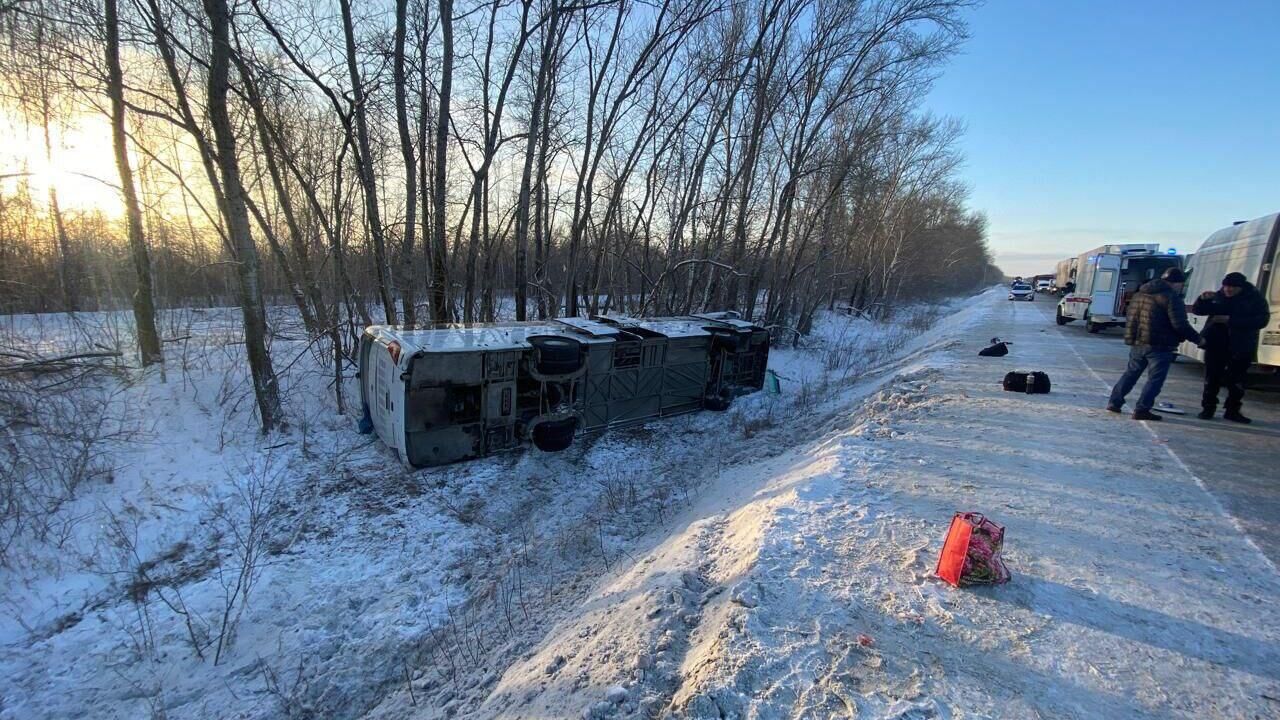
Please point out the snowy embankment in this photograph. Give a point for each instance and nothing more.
(800, 585)
(210, 572)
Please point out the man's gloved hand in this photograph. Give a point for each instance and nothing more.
(1207, 295)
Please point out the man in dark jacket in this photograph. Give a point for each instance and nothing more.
(1156, 324)
(1238, 312)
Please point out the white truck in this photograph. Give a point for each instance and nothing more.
(1251, 248)
(1106, 277)
(1064, 273)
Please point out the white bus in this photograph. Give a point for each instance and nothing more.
(1250, 248)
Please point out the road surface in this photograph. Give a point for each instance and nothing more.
(1238, 464)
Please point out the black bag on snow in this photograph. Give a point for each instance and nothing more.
(1030, 382)
(997, 348)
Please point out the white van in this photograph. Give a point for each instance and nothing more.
(1253, 249)
(1106, 277)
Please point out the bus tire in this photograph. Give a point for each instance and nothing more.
(1092, 327)
(556, 355)
(555, 435)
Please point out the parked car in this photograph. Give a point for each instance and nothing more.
(1022, 291)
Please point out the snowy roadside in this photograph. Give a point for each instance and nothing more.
(800, 585)
(374, 588)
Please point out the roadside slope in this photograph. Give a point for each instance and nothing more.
(800, 585)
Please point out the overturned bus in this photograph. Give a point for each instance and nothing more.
(448, 393)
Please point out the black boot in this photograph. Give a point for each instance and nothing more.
(1235, 416)
(1206, 414)
(1146, 415)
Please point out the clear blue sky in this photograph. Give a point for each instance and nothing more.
(1091, 122)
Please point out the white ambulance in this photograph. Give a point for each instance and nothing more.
(1106, 277)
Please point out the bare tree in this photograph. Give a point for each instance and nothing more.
(365, 167)
(265, 386)
(440, 309)
(144, 308)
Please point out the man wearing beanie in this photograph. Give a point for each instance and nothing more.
(1237, 313)
(1156, 324)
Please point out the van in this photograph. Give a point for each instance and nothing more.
(1251, 248)
(444, 394)
(1106, 277)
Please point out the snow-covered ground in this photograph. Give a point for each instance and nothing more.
(775, 562)
(366, 577)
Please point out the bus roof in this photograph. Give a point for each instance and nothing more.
(1246, 232)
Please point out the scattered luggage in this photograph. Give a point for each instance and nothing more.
(997, 348)
(1031, 382)
(971, 554)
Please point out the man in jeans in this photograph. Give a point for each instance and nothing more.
(1157, 323)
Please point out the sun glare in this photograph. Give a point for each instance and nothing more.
(82, 168)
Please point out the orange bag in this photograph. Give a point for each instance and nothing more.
(971, 553)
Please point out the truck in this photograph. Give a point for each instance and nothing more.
(1106, 277)
(1042, 283)
(1064, 272)
(1249, 247)
(448, 393)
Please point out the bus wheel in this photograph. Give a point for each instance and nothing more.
(556, 435)
(556, 355)
(1092, 326)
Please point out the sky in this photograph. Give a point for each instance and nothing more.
(1094, 122)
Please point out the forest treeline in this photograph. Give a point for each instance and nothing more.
(426, 161)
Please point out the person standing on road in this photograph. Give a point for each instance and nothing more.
(1156, 323)
(1237, 313)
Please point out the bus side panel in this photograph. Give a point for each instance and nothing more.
(1245, 255)
(1269, 339)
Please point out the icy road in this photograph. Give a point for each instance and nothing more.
(801, 586)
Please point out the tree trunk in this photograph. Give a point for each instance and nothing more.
(410, 171)
(549, 44)
(439, 273)
(265, 386)
(364, 162)
(144, 308)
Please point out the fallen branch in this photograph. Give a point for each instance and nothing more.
(59, 363)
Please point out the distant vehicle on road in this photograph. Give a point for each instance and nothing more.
(1064, 276)
(1044, 283)
(1021, 291)
(1106, 277)
(1253, 249)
